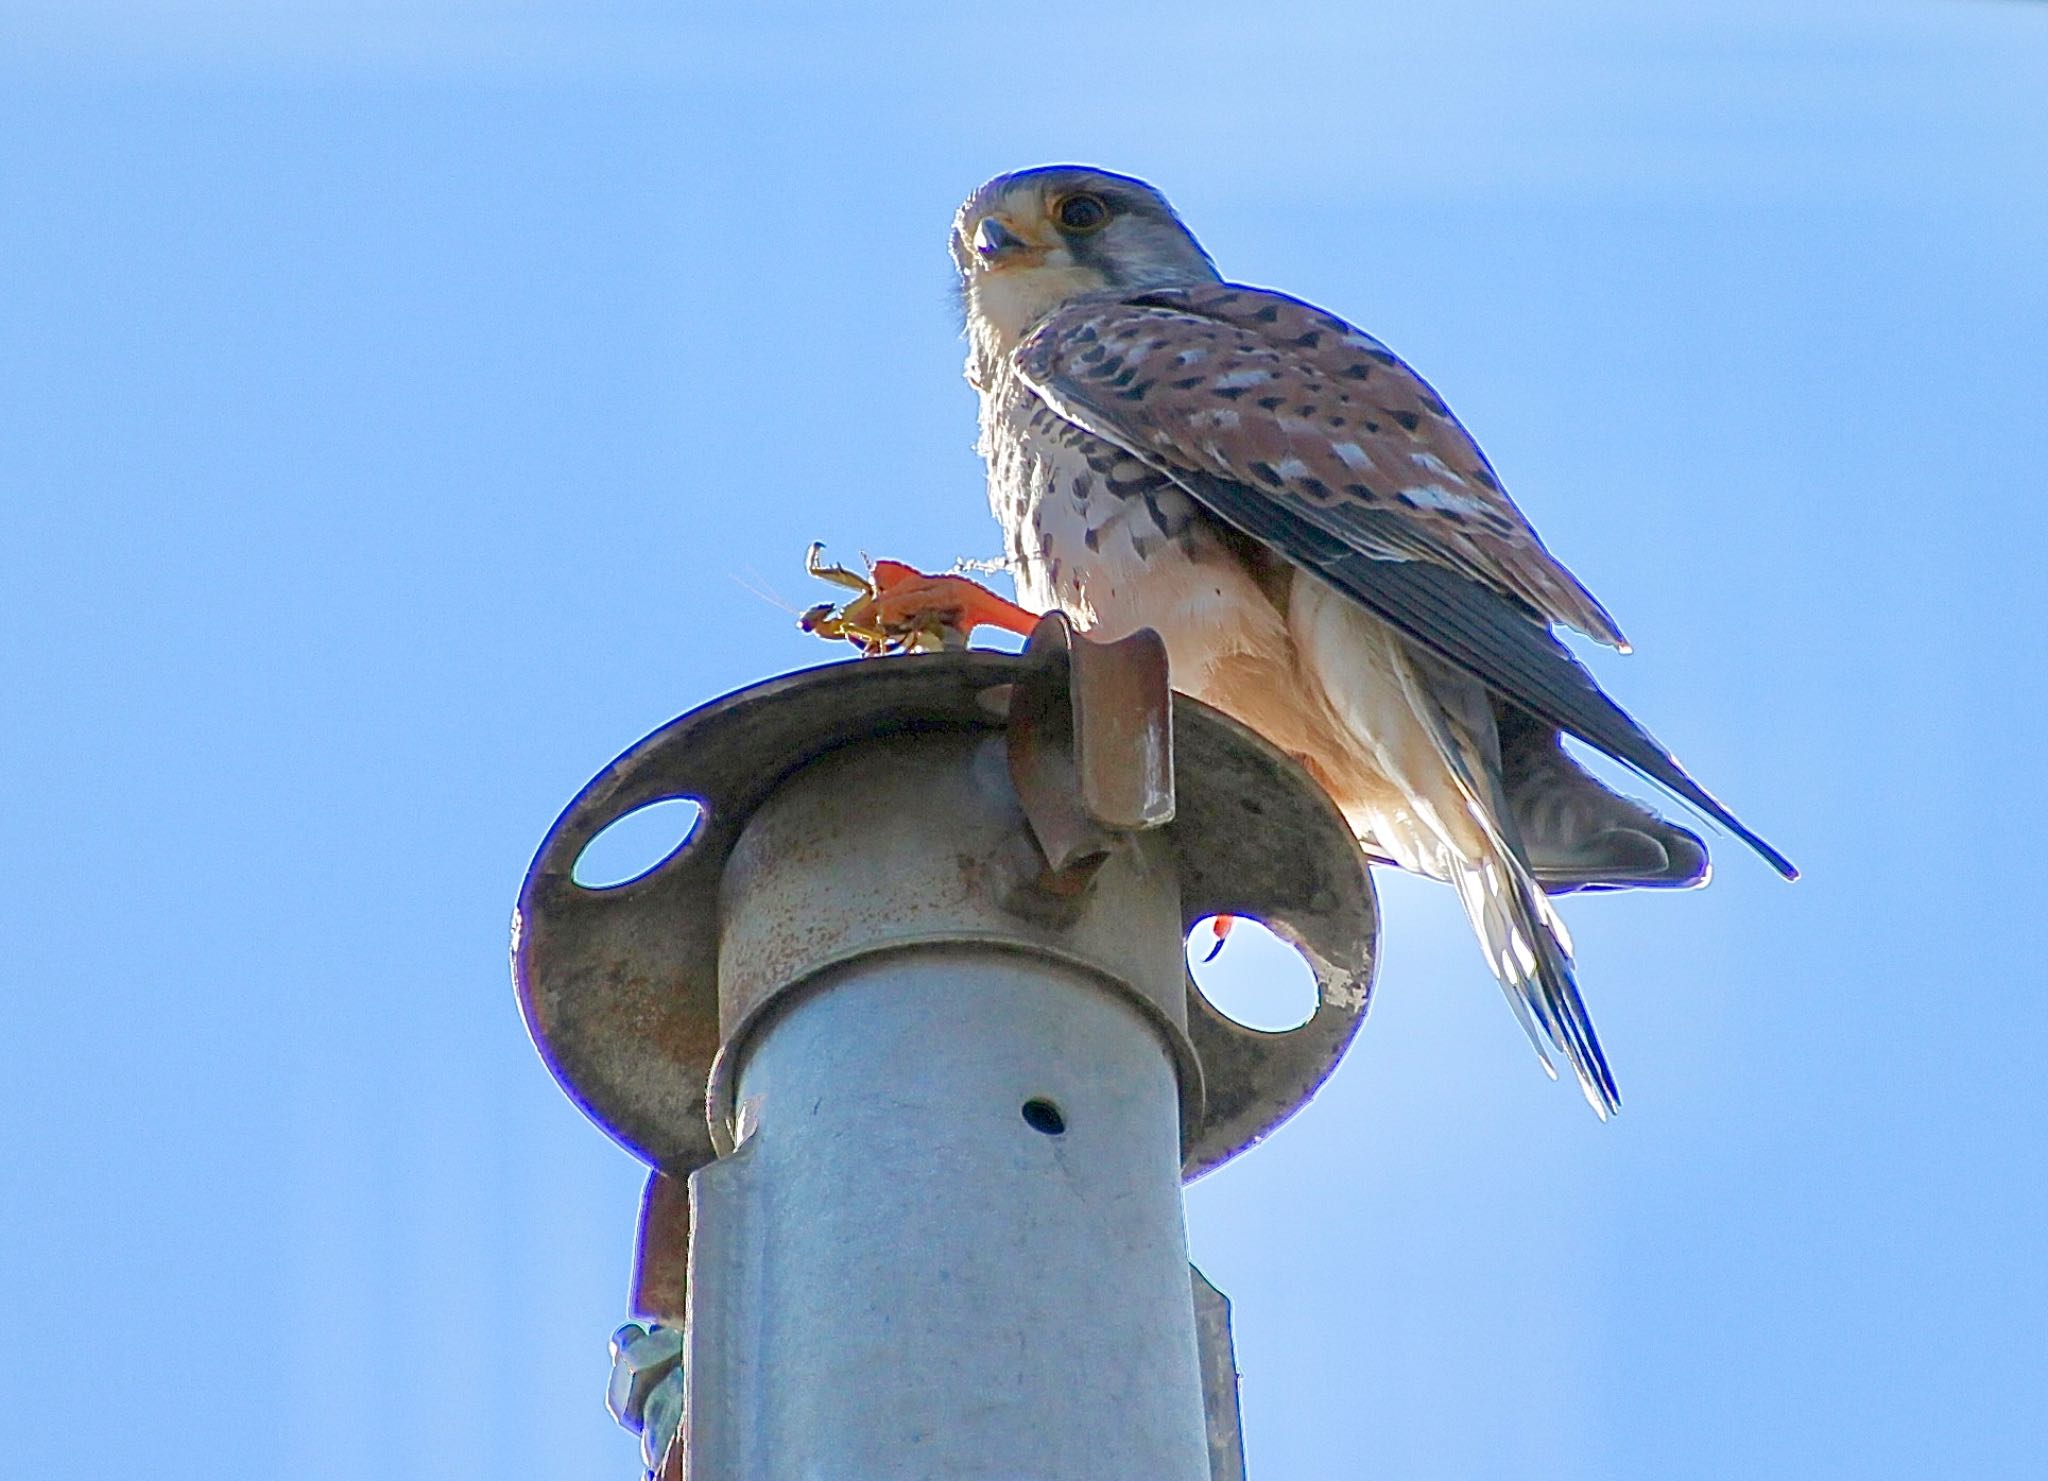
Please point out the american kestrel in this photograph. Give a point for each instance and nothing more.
(1327, 554)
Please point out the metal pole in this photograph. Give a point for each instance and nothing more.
(950, 1243)
(958, 1291)
(910, 1016)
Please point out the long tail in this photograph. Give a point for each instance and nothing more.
(1430, 733)
(1525, 940)
(1530, 953)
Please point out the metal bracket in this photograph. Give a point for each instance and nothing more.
(619, 986)
(645, 1394)
(1092, 740)
(1091, 745)
(661, 1254)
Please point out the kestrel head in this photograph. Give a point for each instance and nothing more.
(1028, 242)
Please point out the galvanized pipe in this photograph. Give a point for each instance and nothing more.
(961, 1182)
(908, 1017)
(958, 1103)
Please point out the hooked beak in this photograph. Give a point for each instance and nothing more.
(995, 243)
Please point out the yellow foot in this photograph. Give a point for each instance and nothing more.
(899, 608)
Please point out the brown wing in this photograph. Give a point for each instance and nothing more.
(1250, 384)
(1310, 436)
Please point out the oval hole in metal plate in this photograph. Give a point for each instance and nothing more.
(1258, 979)
(635, 844)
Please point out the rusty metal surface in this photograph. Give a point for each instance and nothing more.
(619, 986)
(1256, 838)
(1108, 706)
(1048, 785)
(912, 843)
(661, 1254)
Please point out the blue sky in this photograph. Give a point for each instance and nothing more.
(403, 404)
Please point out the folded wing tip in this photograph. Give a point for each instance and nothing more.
(1786, 869)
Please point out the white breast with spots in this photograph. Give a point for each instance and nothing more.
(1096, 533)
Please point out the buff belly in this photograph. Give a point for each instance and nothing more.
(1157, 561)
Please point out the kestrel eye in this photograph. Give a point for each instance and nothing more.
(1082, 213)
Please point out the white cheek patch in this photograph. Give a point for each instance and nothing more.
(1014, 299)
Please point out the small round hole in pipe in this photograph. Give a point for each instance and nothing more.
(1043, 1115)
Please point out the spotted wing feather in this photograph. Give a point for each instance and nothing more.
(1248, 383)
(1274, 423)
